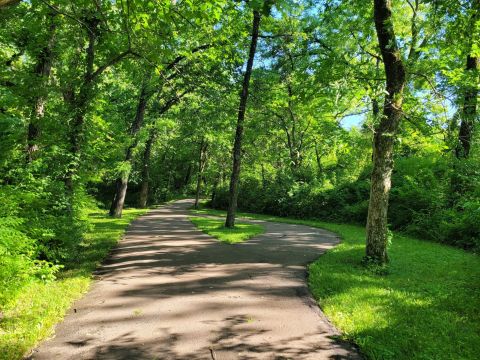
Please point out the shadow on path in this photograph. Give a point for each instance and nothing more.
(169, 291)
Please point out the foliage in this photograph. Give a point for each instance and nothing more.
(216, 228)
(31, 316)
(420, 201)
(19, 261)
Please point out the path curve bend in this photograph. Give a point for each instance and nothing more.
(169, 291)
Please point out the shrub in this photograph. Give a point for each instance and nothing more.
(423, 201)
(18, 251)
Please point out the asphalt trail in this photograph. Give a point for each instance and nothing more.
(169, 291)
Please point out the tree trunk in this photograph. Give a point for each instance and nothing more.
(202, 158)
(5, 3)
(42, 72)
(120, 193)
(385, 134)
(79, 104)
(122, 182)
(319, 161)
(214, 189)
(469, 110)
(142, 203)
(186, 180)
(237, 147)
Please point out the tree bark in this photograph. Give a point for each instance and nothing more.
(202, 159)
(144, 188)
(5, 3)
(186, 180)
(42, 73)
(385, 134)
(469, 109)
(237, 147)
(78, 102)
(318, 158)
(122, 182)
(214, 189)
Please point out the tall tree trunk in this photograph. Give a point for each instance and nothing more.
(469, 109)
(42, 72)
(186, 180)
(79, 104)
(122, 182)
(202, 159)
(5, 3)
(143, 200)
(214, 189)
(237, 147)
(385, 134)
(318, 157)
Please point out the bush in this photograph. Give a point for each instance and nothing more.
(18, 251)
(423, 201)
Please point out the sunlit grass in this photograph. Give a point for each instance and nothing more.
(216, 229)
(425, 307)
(40, 306)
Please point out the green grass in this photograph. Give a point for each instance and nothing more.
(40, 306)
(426, 307)
(216, 229)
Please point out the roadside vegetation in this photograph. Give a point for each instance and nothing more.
(31, 315)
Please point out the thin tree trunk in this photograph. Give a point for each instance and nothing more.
(237, 147)
(319, 160)
(42, 72)
(264, 180)
(122, 182)
(146, 169)
(385, 134)
(79, 104)
(186, 180)
(202, 158)
(214, 189)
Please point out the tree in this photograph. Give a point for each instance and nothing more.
(202, 160)
(385, 133)
(471, 89)
(122, 182)
(237, 146)
(42, 71)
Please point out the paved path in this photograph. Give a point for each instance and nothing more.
(171, 292)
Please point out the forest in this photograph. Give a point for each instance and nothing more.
(345, 113)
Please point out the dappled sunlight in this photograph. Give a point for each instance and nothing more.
(169, 291)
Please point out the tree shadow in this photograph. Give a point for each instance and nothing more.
(242, 301)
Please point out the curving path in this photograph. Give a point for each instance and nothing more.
(169, 291)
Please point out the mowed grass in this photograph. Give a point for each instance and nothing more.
(216, 229)
(40, 306)
(425, 307)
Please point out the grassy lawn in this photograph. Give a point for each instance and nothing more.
(425, 307)
(216, 229)
(41, 305)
